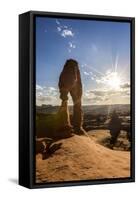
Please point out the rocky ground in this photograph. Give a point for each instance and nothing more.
(82, 158)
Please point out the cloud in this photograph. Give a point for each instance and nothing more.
(72, 45)
(46, 95)
(84, 65)
(65, 27)
(105, 96)
(104, 92)
(110, 93)
(89, 74)
(98, 92)
(57, 22)
(125, 86)
(86, 73)
(92, 78)
(64, 30)
(67, 33)
(59, 28)
(38, 88)
(111, 79)
(91, 98)
(97, 99)
(44, 99)
(52, 89)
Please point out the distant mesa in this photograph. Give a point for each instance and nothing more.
(96, 109)
(95, 117)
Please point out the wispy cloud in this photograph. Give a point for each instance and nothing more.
(46, 95)
(57, 22)
(106, 96)
(39, 88)
(83, 65)
(59, 29)
(89, 74)
(50, 95)
(125, 85)
(71, 46)
(64, 30)
(86, 73)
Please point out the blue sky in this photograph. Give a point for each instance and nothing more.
(102, 50)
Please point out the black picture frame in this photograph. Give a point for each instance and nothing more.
(27, 86)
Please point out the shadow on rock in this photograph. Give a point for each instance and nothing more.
(51, 150)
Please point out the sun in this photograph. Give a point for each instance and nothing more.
(113, 80)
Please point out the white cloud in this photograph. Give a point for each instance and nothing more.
(65, 27)
(57, 22)
(72, 45)
(92, 78)
(52, 88)
(106, 96)
(64, 30)
(86, 73)
(110, 79)
(109, 94)
(84, 65)
(46, 95)
(90, 75)
(38, 87)
(59, 28)
(67, 33)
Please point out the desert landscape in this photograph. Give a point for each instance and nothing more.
(83, 100)
(63, 157)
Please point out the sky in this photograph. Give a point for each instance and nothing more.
(102, 49)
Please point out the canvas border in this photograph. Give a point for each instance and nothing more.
(32, 101)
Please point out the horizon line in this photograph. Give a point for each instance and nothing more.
(89, 104)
